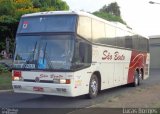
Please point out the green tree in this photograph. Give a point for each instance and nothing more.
(112, 8)
(10, 13)
(109, 17)
(12, 10)
(50, 5)
(6, 7)
(111, 13)
(37, 4)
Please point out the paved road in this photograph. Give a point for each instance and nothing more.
(10, 99)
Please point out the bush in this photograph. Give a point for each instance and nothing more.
(1, 57)
(3, 69)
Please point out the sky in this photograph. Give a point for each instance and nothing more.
(142, 17)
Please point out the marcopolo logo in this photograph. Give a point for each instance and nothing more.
(25, 24)
(37, 79)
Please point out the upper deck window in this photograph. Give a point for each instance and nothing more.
(53, 23)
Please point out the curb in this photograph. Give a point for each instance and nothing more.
(2, 91)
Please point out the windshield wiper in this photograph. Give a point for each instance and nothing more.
(34, 49)
(44, 52)
(50, 65)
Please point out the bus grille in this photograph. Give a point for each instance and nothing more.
(40, 81)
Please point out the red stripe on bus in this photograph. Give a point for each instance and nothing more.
(138, 60)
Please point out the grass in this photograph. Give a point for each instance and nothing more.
(5, 81)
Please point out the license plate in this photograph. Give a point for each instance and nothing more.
(40, 89)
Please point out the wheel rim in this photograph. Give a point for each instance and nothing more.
(94, 86)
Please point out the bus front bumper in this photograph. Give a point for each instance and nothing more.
(43, 88)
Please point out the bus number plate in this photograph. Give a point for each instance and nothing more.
(40, 89)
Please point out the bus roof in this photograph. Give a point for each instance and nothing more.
(82, 13)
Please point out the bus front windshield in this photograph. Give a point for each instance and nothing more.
(44, 52)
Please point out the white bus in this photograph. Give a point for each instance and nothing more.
(68, 53)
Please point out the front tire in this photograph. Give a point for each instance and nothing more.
(93, 87)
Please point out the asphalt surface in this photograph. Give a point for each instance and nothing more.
(18, 100)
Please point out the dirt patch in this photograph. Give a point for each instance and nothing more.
(140, 97)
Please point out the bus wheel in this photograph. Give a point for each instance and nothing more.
(136, 79)
(140, 77)
(93, 87)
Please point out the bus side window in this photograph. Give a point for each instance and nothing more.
(85, 52)
(128, 42)
(81, 52)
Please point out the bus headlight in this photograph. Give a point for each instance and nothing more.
(16, 78)
(62, 81)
